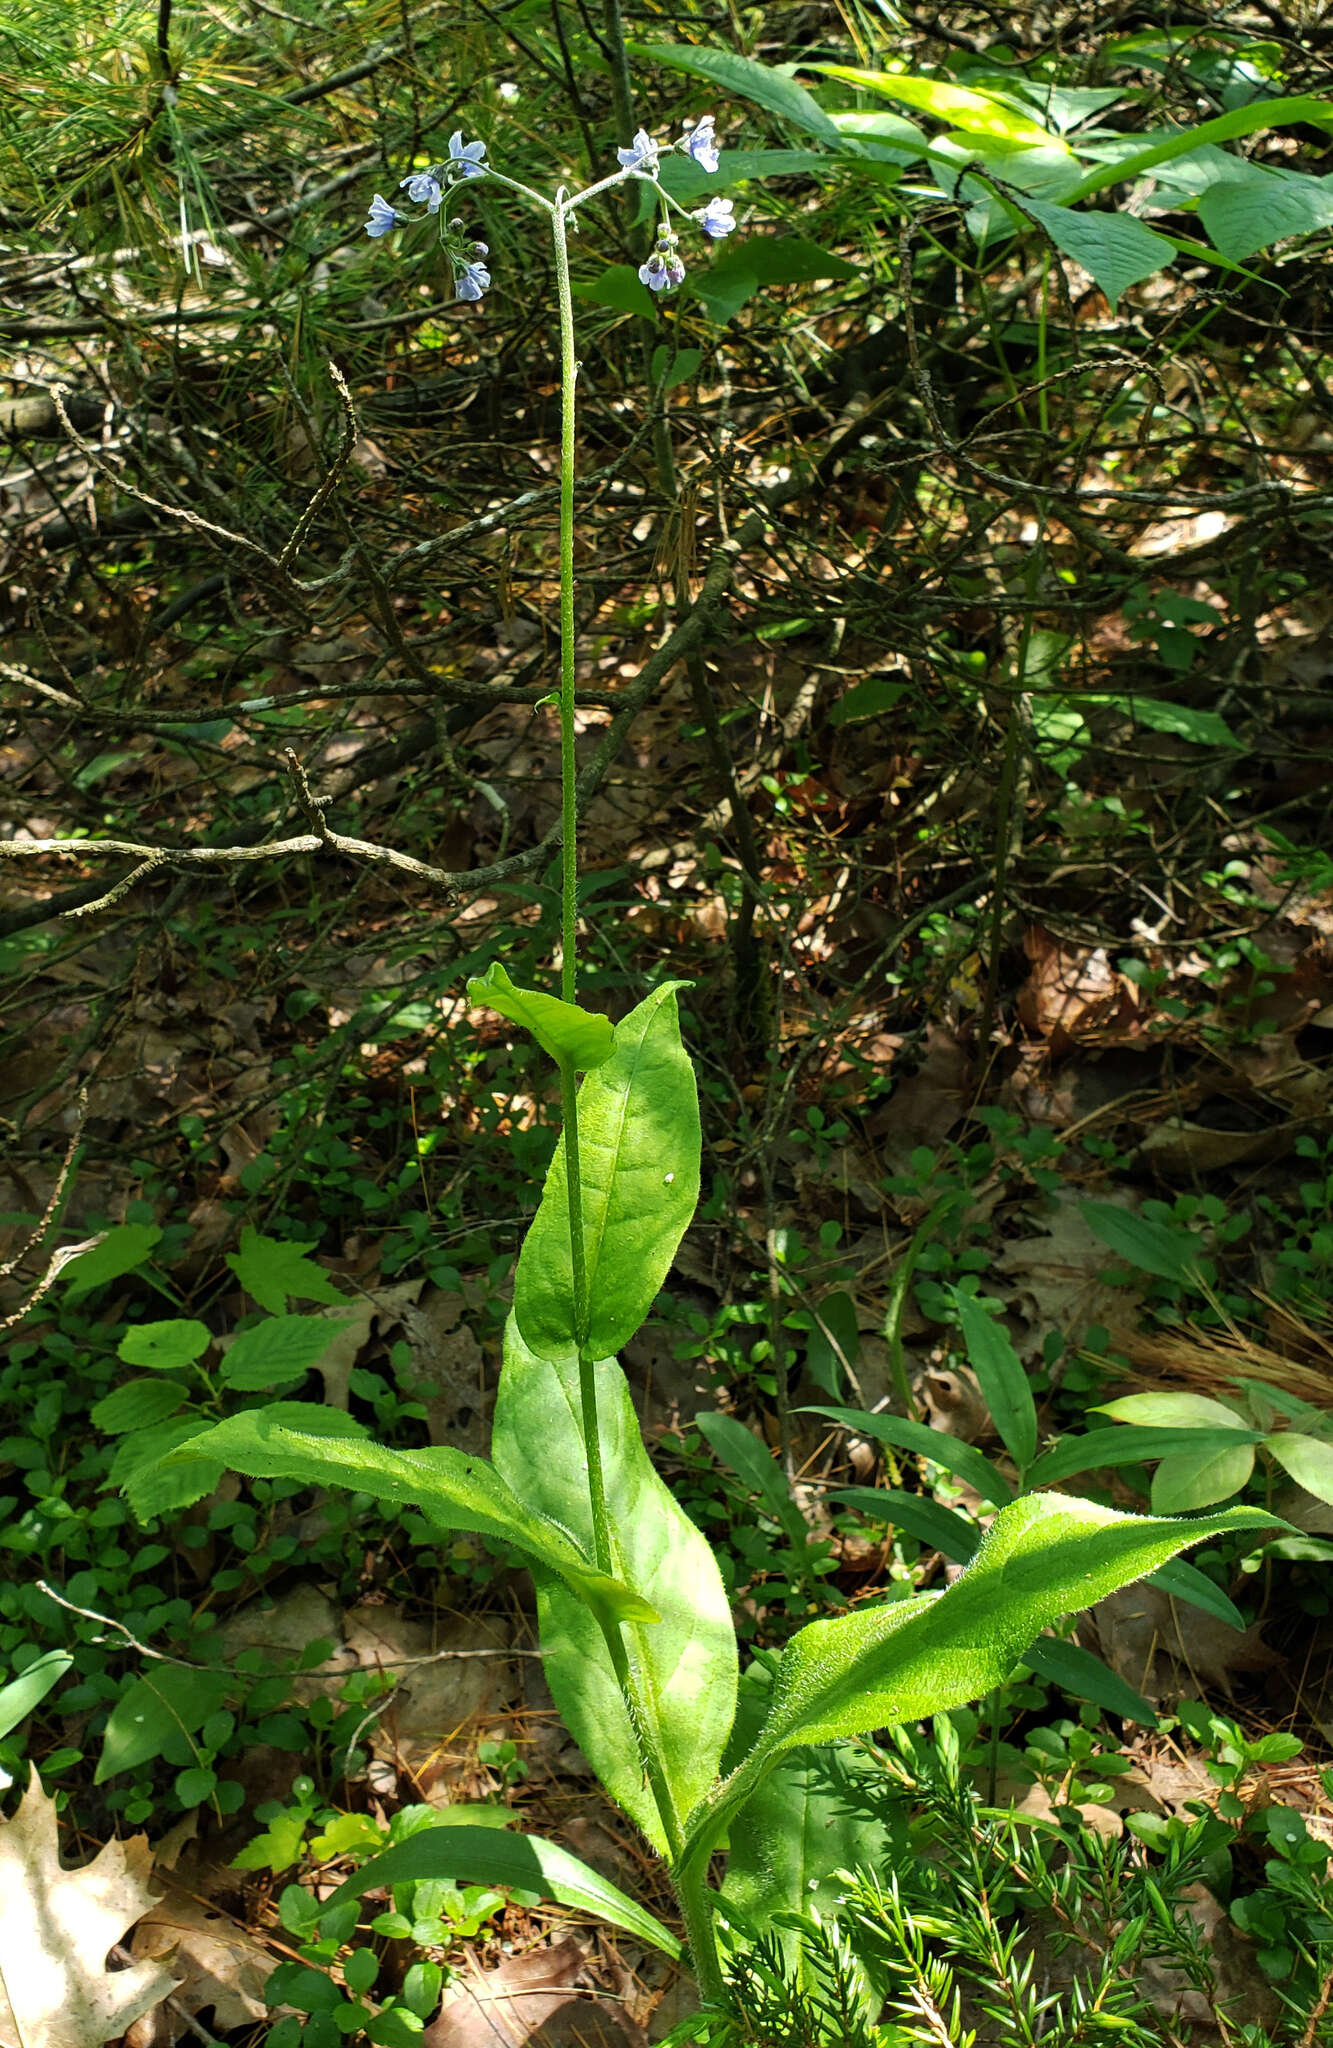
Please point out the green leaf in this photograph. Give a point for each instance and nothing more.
(748, 80)
(686, 1662)
(522, 1862)
(869, 698)
(568, 1035)
(939, 1528)
(299, 1440)
(151, 1485)
(270, 1269)
(122, 1250)
(29, 1689)
(741, 1451)
(961, 1459)
(639, 1148)
(277, 1351)
(169, 1700)
(164, 1347)
(1114, 248)
(1000, 1375)
(1043, 1557)
(1252, 208)
(1224, 128)
(621, 288)
(745, 267)
(1306, 1459)
(833, 1344)
(1172, 1411)
(1201, 728)
(137, 1405)
(1150, 1247)
(1182, 1581)
(978, 113)
(1076, 1671)
(678, 367)
(1192, 1480)
(1103, 1449)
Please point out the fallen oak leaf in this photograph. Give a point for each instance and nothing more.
(57, 1927)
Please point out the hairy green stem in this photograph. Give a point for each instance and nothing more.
(569, 818)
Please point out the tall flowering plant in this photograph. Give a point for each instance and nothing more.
(640, 1651)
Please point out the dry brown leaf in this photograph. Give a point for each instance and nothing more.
(221, 1967)
(57, 1928)
(529, 2002)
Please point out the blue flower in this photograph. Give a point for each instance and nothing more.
(662, 272)
(424, 188)
(641, 156)
(466, 157)
(382, 217)
(700, 143)
(471, 280)
(716, 218)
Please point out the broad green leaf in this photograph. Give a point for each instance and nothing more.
(277, 1351)
(621, 288)
(1192, 1480)
(522, 1862)
(748, 80)
(869, 698)
(677, 367)
(1103, 1449)
(891, 131)
(1255, 208)
(1172, 1411)
(170, 1699)
(570, 1036)
(690, 184)
(1201, 728)
(639, 1149)
(686, 1661)
(29, 1689)
(1000, 1375)
(965, 1462)
(300, 1440)
(270, 1269)
(1182, 1581)
(121, 1250)
(746, 266)
(151, 1484)
(741, 1451)
(1306, 1459)
(1076, 1671)
(1277, 113)
(137, 1405)
(1114, 248)
(939, 1528)
(1043, 1557)
(164, 1347)
(833, 1343)
(979, 113)
(1157, 1248)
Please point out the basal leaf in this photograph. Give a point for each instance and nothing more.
(569, 1035)
(295, 1440)
(526, 1863)
(686, 1662)
(639, 1149)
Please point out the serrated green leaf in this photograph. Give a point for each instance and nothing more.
(1043, 1557)
(152, 1485)
(568, 1035)
(29, 1689)
(639, 1148)
(749, 80)
(164, 1347)
(122, 1250)
(520, 1862)
(277, 1351)
(963, 1460)
(686, 1661)
(166, 1701)
(137, 1405)
(1306, 1459)
(297, 1440)
(1199, 1480)
(271, 1269)
(1000, 1375)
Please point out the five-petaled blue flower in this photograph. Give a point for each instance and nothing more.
(466, 157)
(700, 143)
(641, 155)
(716, 218)
(382, 217)
(471, 280)
(424, 187)
(662, 272)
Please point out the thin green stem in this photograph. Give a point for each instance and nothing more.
(569, 817)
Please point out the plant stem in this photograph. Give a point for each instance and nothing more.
(569, 819)
(696, 1907)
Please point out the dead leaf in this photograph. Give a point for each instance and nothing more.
(220, 1966)
(527, 2003)
(438, 1696)
(1165, 1647)
(57, 1928)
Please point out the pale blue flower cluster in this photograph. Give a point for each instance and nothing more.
(664, 269)
(427, 188)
